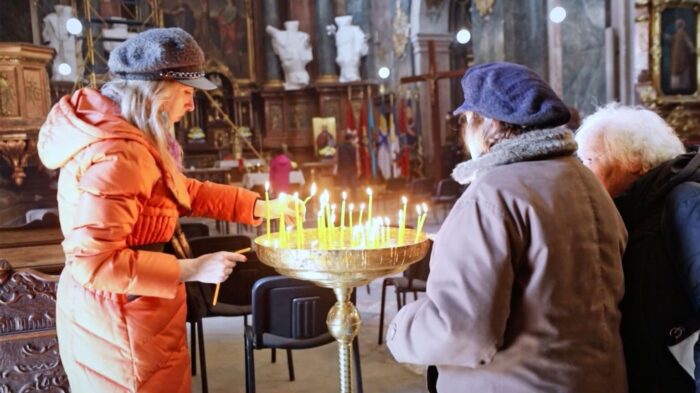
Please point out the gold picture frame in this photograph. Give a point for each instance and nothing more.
(675, 46)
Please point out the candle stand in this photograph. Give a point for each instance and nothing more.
(341, 268)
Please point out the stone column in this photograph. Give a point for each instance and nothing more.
(325, 44)
(273, 73)
(360, 11)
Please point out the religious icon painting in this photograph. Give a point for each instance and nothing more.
(674, 51)
(678, 51)
(324, 136)
(222, 28)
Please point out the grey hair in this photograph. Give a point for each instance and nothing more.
(631, 136)
(140, 104)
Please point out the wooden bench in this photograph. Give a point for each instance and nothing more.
(30, 360)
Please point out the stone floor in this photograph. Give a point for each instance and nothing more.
(316, 369)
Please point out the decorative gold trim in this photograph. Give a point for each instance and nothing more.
(327, 78)
(273, 84)
(485, 7)
(655, 51)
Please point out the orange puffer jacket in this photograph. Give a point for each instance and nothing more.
(114, 193)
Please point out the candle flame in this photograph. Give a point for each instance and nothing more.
(404, 200)
(387, 221)
(369, 191)
(351, 207)
(296, 195)
(362, 206)
(425, 207)
(325, 197)
(282, 196)
(345, 195)
(313, 189)
(333, 207)
(419, 210)
(267, 186)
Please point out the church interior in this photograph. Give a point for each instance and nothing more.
(341, 100)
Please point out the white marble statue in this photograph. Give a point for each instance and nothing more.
(293, 47)
(67, 46)
(119, 32)
(351, 43)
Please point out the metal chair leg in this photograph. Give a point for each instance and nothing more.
(415, 295)
(202, 358)
(290, 365)
(273, 356)
(249, 366)
(398, 299)
(381, 312)
(193, 347)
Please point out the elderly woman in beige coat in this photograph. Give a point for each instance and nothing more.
(526, 271)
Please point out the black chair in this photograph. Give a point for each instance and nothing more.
(290, 314)
(446, 194)
(414, 280)
(234, 294)
(195, 229)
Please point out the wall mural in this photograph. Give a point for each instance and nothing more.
(223, 28)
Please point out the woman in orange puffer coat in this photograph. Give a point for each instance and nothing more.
(121, 309)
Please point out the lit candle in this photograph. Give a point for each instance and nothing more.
(320, 231)
(351, 208)
(312, 193)
(282, 224)
(399, 220)
(342, 219)
(369, 205)
(402, 223)
(387, 224)
(267, 209)
(331, 219)
(362, 210)
(419, 211)
(325, 216)
(421, 222)
(297, 217)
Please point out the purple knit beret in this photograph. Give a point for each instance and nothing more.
(512, 93)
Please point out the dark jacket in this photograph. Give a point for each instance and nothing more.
(655, 300)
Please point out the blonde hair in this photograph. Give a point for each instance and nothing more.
(633, 137)
(140, 104)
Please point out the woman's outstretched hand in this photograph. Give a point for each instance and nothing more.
(277, 207)
(210, 268)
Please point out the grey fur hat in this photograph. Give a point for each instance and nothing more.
(160, 54)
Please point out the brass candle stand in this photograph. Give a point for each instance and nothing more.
(342, 269)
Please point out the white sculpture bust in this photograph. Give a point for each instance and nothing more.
(57, 36)
(351, 43)
(119, 31)
(293, 47)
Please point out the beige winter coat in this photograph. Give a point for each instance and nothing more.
(524, 287)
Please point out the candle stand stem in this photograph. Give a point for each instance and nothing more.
(344, 324)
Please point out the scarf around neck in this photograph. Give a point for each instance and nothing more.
(529, 146)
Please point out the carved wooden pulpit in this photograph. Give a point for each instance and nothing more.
(24, 102)
(28, 343)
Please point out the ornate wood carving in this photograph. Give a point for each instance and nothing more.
(485, 7)
(30, 360)
(24, 102)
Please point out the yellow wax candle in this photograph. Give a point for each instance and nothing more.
(311, 193)
(267, 209)
(387, 231)
(332, 217)
(320, 231)
(342, 219)
(297, 217)
(282, 224)
(422, 219)
(399, 220)
(325, 216)
(369, 205)
(351, 208)
(402, 223)
(362, 210)
(419, 211)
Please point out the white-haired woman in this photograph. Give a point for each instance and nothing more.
(641, 162)
(121, 300)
